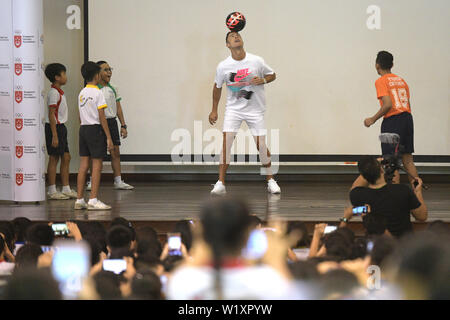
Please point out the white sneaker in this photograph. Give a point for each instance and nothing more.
(80, 205)
(88, 186)
(273, 187)
(71, 194)
(98, 206)
(57, 196)
(123, 186)
(219, 188)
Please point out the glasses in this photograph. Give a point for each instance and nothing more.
(108, 69)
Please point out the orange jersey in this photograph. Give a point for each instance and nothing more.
(396, 88)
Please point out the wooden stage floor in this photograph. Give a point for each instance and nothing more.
(171, 201)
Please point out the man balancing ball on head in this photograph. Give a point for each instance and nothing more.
(245, 76)
(393, 93)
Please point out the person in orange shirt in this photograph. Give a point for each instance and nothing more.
(393, 94)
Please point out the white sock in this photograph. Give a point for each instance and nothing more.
(117, 179)
(81, 200)
(52, 189)
(92, 201)
(66, 188)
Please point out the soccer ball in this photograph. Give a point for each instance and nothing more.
(235, 21)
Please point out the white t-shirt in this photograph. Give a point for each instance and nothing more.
(112, 97)
(254, 283)
(243, 97)
(90, 100)
(57, 99)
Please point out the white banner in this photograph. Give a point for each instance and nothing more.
(28, 141)
(6, 102)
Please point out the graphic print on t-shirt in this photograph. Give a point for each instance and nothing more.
(238, 80)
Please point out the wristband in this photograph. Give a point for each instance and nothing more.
(344, 220)
(124, 126)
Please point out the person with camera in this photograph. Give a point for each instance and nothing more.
(394, 202)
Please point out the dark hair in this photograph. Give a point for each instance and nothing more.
(101, 62)
(338, 281)
(40, 234)
(184, 228)
(119, 221)
(147, 261)
(304, 270)
(146, 285)
(255, 221)
(27, 256)
(385, 60)
(54, 69)
(7, 229)
(95, 231)
(228, 33)
(375, 224)
(383, 247)
(171, 262)
(107, 284)
(20, 227)
(2, 245)
(226, 225)
(424, 258)
(359, 249)
(32, 284)
(89, 70)
(119, 237)
(369, 167)
(338, 245)
(148, 242)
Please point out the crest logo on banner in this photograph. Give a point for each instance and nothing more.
(19, 124)
(18, 41)
(18, 95)
(18, 69)
(19, 179)
(19, 151)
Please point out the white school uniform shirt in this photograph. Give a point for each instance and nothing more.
(90, 100)
(57, 99)
(243, 97)
(112, 96)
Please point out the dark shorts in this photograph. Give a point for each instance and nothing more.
(92, 141)
(63, 146)
(403, 125)
(114, 131)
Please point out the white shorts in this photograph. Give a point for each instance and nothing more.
(233, 120)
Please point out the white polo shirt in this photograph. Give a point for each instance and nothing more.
(90, 100)
(57, 99)
(112, 96)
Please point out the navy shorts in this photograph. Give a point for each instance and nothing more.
(401, 124)
(114, 131)
(92, 141)
(63, 145)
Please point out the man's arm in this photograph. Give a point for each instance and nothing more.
(123, 131)
(387, 105)
(256, 81)
(216, 98)
(421, 213)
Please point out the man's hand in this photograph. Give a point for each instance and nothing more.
(109, 144)
(55, 142)
(74, 231)
(368, 122)
(319, 229)
(418, 188)
(123, 133)
(213, 117)
(256, 81)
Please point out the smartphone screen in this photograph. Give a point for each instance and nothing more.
(329, 229)
(60, 229)
(115, 265)
(357, 211)
(70, 266)
(256, 245)
(174, 243)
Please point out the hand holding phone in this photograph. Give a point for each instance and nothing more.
(357, 211)
(174, 244)
(329, 229)
(115, 265)
(60, 229)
